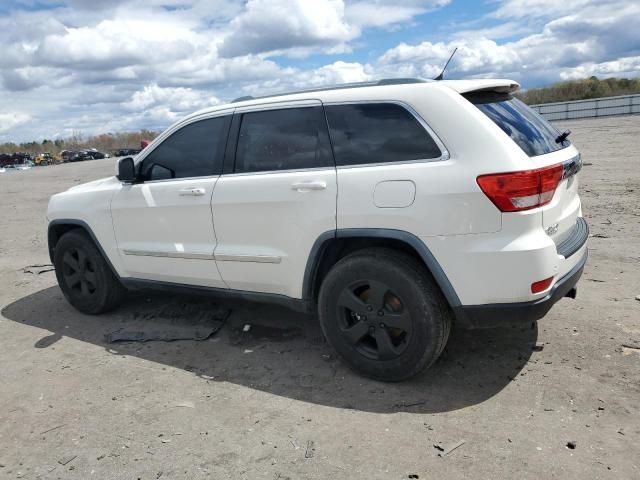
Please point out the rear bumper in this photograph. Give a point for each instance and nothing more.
(500, 314)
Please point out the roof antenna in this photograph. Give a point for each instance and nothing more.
(441, 76)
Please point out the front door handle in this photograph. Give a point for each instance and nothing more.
(306, 186)
(193, 192)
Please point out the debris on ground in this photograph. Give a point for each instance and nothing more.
(630, 349)
(186, 405)
(406, 405)
(447, 449)
(67, 459)
(52, 429)
(246, 328)
(310, 451)
(38, 269)
(571, 445)
(538, 347)
(638, 297)
(175, 320)
(160, 334)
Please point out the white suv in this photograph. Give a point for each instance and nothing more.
(392, 208)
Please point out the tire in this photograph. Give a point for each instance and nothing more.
(85, 278)
(384, 314)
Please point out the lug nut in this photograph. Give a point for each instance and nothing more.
(382, 325)
(369, 308)
(380, 313)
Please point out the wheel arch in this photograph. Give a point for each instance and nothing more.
(334, 245)
(57, 228)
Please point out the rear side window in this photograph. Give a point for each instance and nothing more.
(196, 150)
(532, 133)
(286, 139)
(377, 133)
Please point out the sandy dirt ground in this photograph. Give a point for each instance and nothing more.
(275, 403)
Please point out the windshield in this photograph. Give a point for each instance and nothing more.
(532, 133)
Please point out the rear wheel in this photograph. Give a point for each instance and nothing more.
(383, 314)
(84, 276)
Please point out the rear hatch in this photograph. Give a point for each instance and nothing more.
(545, 146)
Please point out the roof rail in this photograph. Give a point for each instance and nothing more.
(374, 83)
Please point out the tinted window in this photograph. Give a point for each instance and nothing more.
(283, 140)
(195, 150)
(377, 133)
(532, 133)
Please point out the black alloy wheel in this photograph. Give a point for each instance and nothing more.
(79, 272)
(85, 278)
(383, 313)
(374, 320)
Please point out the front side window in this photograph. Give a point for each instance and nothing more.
(196, 150)
(532, 133)
(287, 139)
(377, 133)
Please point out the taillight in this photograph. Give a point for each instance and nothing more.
(518, 191)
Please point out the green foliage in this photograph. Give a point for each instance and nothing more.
(77, 141)
(583, 89)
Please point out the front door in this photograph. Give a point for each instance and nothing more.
(277, 199)
(163, 223)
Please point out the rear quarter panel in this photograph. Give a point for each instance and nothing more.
(448, 200)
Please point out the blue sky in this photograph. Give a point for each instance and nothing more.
(95, 66)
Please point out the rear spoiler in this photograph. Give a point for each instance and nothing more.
(489, 85)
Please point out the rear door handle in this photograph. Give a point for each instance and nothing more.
(306, 186)
(193, 192)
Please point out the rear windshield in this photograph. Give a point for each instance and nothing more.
(532, 133)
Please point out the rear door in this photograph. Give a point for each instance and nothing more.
(163, 222)
(277, 197)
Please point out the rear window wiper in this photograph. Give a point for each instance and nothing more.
(563, 136)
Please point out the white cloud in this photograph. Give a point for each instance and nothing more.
(12, 120)
(116, 43)
(127, 64)
(384, 13)
(177, 100)
(538, 8)
(623, 67)
(271, 25)
(427, 59)
(592, 34)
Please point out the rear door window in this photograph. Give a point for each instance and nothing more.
(369, 133)
(532, 133)
(287, 139)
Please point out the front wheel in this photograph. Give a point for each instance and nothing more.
(383, 314)
(84, 276)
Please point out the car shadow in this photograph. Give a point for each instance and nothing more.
(283, 352)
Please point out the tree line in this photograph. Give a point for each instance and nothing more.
(580, 90)
(105, 142)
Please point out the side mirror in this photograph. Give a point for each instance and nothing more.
(126, 170)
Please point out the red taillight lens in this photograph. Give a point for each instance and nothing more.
(518, 191)
(541, 286)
